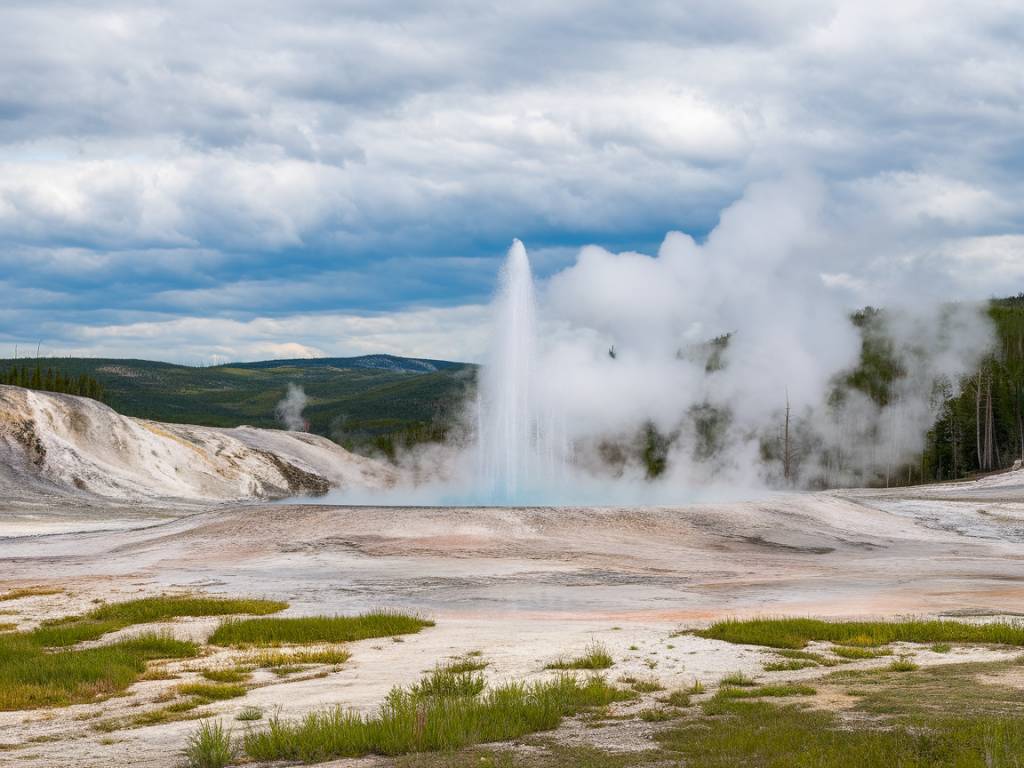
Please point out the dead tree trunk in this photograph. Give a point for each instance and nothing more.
(787, 466)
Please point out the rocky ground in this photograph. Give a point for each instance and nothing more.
(523, 586)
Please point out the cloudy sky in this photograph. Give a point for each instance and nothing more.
(198, 181)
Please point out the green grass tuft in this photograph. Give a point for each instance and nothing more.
(942, 648)
(249, 714)
(444, 682)
(209, 746)
(770, 691)
(903, 664)
(293, 659)
(212, 691)
(678, 699)
(796, 633)
(738, 679)
(788, 665)
(315, 629)
(226, 675)
(596, 657)
(854, 653)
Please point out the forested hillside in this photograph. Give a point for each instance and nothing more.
(983, 428)
(366, 403)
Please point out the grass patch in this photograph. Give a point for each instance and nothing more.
(467, 664)
(31, 677)
(942, 648)
(855, 653)
(759, 733)
(408, 721)
(249, 714)
(446, 682)
(209, 746)
(316, 629)
(17, 594)
(765, 691)
(284, 659)
(596, 657)
(678, 699)
(111, 617)
(655, 715)
(646, 686)
(226, 675)
(212, 691)
(788, 665)
(738, 679)
(903, 665)
(796, 633)
(697, 688)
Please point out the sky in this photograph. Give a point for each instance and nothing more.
(202, 182)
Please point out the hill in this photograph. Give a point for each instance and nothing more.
(76, 445)
(360, 402)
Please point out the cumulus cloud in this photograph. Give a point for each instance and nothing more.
(175, 158)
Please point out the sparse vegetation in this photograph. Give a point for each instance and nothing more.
(281, 659)
(942, 648)
(226, 675)
(655, 715)
(316, 629)
(678, 699)
(646, 686)
(410, 721)
(110, 617)
(855, 653)
(212, 691)
(209, 746)
(796, 633)
(737, 679)
(17, 594)
(903, 664)
(788, 665)
(595, 657)
(770, 691)
(249, 714)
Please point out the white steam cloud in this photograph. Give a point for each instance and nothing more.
(695, 353)
(289, 409)
(757, 280)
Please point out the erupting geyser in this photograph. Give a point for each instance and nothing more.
(520, 449)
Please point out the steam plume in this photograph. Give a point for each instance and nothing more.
(289, 409)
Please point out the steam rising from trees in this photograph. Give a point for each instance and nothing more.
(289, 409)
(711, 339)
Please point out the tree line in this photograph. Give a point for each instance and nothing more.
(50, 380)
(982, 429)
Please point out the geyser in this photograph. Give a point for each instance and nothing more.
(522, 449)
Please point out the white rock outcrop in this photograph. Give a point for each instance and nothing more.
(74, 444)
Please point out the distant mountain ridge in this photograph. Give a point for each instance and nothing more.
(373, 362)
